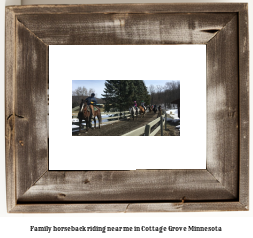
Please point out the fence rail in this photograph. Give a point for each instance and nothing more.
(136, 132)
(145, 130)
(124, 114)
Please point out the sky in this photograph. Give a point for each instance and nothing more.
(99, 85)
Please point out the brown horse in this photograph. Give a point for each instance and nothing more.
(142, 111)
(159, 111)
(155, 109)
(150, 108)
(84, 114)
(98, 115)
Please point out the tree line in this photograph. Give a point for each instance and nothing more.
(121, 94)
(82, 91)
(165, 94)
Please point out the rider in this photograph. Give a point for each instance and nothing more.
(91, 101)
(155, 108)
(143, 105)
(135, 105)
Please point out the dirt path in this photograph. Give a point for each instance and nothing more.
(119, 128)
(170, 130)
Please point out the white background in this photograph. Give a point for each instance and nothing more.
(235, 224)
(186, 63)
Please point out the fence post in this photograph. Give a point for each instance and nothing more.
(161, 124)
(165, 121)
(147, 130)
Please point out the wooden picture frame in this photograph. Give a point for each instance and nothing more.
(222, 186)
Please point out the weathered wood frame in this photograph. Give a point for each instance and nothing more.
(222, 186)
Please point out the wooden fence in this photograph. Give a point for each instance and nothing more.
(125, 114)
(146, 130)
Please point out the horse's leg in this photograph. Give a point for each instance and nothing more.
(90, 123)
(94, 122)
(99, 120)
(87, 123)
(80, 122)
(80, 125)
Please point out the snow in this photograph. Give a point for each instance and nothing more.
(174, 114)
(75, 120)
(106, 115)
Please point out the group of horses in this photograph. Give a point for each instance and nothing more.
(141, 111)
(85, 114)
(152, 108)
(155, 109)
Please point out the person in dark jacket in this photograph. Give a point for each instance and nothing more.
(91, 101)
(155, 108)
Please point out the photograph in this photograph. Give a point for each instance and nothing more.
(104, 92)
(133, 107)
(127, 70)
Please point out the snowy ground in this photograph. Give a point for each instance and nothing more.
(173, 113)
(76, 120)
(174, 116)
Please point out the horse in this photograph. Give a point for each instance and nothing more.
(155, 109)
(85, 114)
(142, 111)
(150, 108)
(98, 115)
(133, 111)
(159, 112)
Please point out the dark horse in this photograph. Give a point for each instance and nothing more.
(159, 111)
(85, 114)
(155, 109)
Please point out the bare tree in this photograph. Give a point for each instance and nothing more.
(165, 94)
(159, 92)
(91, 90)
(172, 92)
(152, 92)
(80, 91)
